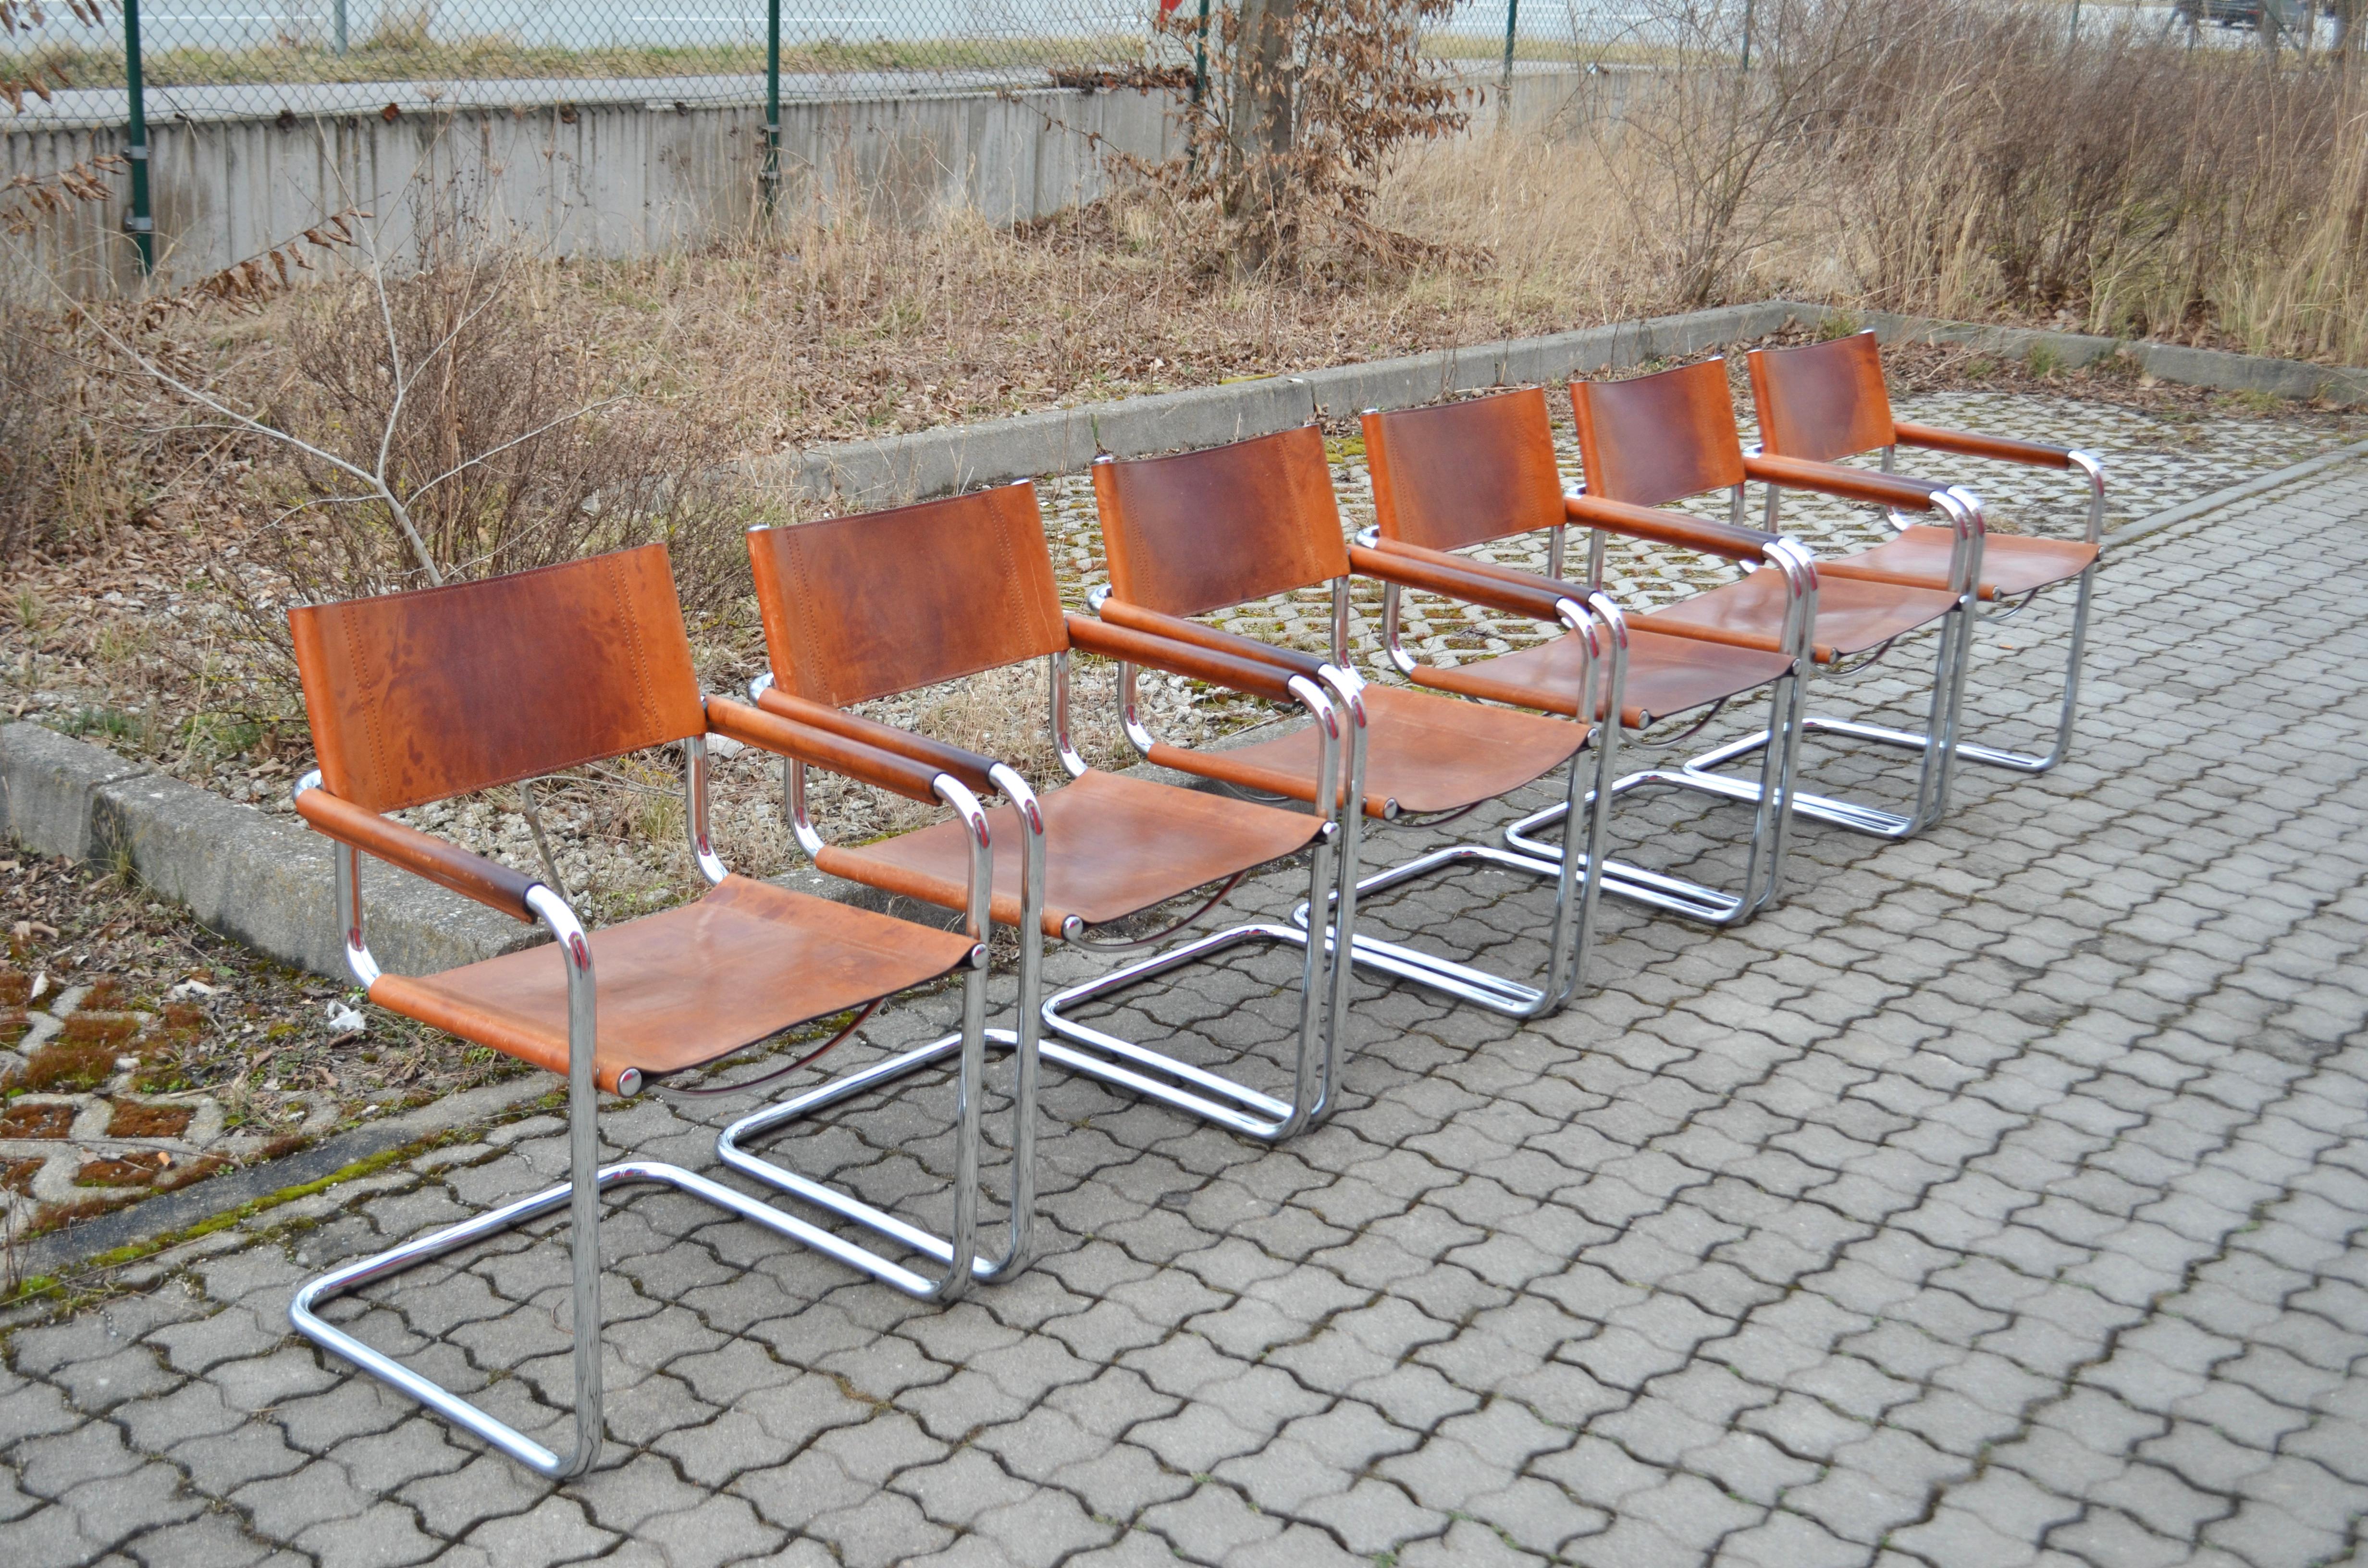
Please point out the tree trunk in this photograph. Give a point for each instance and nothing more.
(1257, 129)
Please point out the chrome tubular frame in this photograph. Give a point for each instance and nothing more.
(1771, 820)
(1952, 651)
(956, 1253)
(1340, 717)
(579, 1194)
(1602, 632)
(2093, 469)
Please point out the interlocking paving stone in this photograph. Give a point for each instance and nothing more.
(1997, 1199)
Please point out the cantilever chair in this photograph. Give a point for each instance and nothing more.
(1824, 401)
(1201, 532)
(1457, 475)
(415, 698)
(881, 603)
(1653, 439)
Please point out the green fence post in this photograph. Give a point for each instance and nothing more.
(140, 223)
(1199, 82)
(341, 26)
(773, 103)
(1505, 84)
(1746, 34)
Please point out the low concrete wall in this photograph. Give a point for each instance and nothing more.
(618, 178)
(2344, 386)
(264, 880)
(937, 462)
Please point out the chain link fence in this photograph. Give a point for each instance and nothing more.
(211, 58)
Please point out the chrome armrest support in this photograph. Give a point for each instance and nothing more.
(695, 768)
(1074, 764)
(2093, 467)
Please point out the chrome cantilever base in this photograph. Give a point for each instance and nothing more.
(303, 1314)
(1159, 1076)
(1998, 756)
(730, 1147)
(1604, 632)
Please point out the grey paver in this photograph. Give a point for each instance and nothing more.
(1994, 1200)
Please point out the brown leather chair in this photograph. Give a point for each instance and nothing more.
(1456, 475)
(415, 698)
(872, 604)
(1825, 400)
(1653, 439)
(1199, 531)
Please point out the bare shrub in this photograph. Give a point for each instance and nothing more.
(68, 471)
(1992, 164)
(1307, 100)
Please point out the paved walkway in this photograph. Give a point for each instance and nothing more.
(1999, 1198)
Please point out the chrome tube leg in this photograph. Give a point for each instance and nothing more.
(1571, 929)
(1350, 817)
(1159, 1076)
(582, 1173)
(958, 1250)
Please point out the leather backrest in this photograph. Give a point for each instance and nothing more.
(1822, 401)
(1457, 473)
(1655, 439)
(1191, 533)
(419, 697)
(881, 602)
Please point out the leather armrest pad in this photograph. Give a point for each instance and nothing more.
(967, 765)
(1434, 572)
(1110, 642)
(445, 864)
(1850, 484)
(1968, 444)
(840, 753)
(1175, 628)
(1704, 534)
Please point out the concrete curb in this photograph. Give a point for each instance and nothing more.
(167, 1213)
(2344, 386)
(264, 880)
(938, 463)
(2234, 493)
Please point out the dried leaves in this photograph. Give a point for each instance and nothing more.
(1306, 101)
(245, 285)
(29, 198)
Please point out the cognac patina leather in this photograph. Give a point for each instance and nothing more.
(419, 697)
(931, 593)
(1855, 612)
(1464, 473)
(1113, 846)
(1212, 529)
(685, 986)
(1824, 401)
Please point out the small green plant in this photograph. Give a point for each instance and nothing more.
(1838, 323)
(2045, 360)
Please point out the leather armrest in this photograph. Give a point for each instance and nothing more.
(1175, 628)
(1849, 483)
(854, 758)
(1437, 572)
(1968, 444)
(1704, 534)
(1093, 636)
(445, 864)
(967, 765)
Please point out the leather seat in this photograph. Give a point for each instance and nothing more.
(1113, 846)
(683, 987)
(1666, 674)
(2012, 564)
(1853, 616)
(1425, 754)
